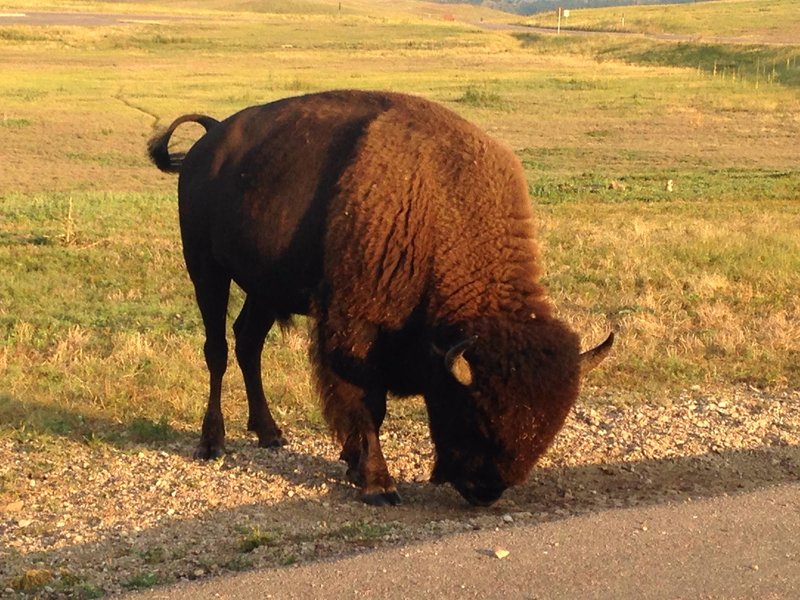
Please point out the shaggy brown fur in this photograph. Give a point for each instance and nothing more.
(404, 231)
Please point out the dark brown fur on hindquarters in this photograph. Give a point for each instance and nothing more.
(407, 234)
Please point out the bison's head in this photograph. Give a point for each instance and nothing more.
(498, 401)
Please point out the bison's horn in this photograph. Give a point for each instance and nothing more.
(591, 358)
(458, 365)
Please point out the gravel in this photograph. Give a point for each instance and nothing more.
(85, 519)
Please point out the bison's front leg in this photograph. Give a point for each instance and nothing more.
(366, 468)
(355, 416)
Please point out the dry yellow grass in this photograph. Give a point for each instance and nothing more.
(698, 281)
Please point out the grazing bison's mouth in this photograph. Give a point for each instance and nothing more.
(478, 495)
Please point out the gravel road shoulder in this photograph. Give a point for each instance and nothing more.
(81, 519)
(741, 546)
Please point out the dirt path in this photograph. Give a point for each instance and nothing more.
(745, 546)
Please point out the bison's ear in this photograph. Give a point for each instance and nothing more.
(457, 364)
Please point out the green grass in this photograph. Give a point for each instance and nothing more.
(616, 186)
(100, 339)
(750, 65)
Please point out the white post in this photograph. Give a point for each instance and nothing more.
(559, 20)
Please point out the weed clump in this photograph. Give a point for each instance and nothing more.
(481, 98)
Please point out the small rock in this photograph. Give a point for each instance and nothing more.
(501, 553)
(508, 518)
(14, 506)
(198, 572)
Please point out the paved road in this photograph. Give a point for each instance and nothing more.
(742, 547)
(82, 19)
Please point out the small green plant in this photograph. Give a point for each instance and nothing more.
(143, 580)
(11, 123)
(362, 531)
(288, 560)
(481, 98)
(77, 587)
(238, 563)
(255, 538)
(146, 431)
(86, 591)
(155, 555)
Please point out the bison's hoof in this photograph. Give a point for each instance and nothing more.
(272, 441)
(391, 498)
(208, 451)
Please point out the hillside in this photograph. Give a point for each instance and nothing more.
(528, 7)
(400, 9)
(762, 21)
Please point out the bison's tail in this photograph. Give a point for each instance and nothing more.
(158, 146)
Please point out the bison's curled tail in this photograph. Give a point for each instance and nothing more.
(158, 146)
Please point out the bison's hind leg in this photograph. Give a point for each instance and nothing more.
(212, 289)
(251, 328)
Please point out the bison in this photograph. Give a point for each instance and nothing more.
(407, 234)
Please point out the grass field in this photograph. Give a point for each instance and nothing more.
(770, 20)
(99, 335)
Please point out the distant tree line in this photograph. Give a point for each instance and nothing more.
(529, 7)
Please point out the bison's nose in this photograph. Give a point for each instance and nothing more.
(479, 495)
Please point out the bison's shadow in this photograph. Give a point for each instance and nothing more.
(30, 417)
(593, 488)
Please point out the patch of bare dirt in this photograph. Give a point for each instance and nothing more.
(82, 520)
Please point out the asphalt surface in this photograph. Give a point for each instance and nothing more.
(78, 19)
(730, 547)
